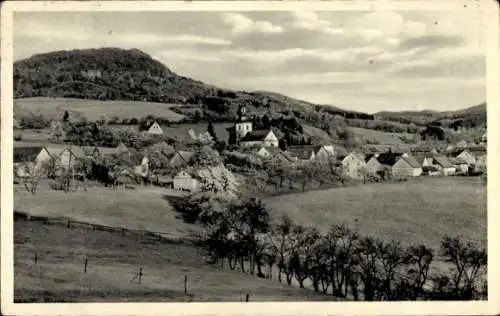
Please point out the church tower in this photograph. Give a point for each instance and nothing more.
(243, 125)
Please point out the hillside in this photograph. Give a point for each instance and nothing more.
(474, 116)
(114, 74)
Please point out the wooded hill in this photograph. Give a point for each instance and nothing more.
(118, 74)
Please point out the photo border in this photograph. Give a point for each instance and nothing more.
(489, 19)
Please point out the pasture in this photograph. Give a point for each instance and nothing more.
(418, 211)
(54, 108)
(142, 208)
(379, 137)
(114, 260)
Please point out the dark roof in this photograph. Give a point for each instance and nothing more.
(477, 150)
(457, 161)
(301, 152)
(26, 154)
(368, 157)
(443, 162)
(388, 158)
(255, 135)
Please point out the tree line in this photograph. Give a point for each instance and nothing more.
(242, 235)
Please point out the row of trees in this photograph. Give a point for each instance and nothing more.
(242, 235)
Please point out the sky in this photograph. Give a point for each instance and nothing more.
(366, 61)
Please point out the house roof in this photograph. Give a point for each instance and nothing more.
(477, 150)
(356, 155)
(26, 154)
(279, 154)
(121, 147)
(301, 152)
(185, 155)
(443, 162)
(457, 161)
(368, 157)
(257, 135)
(388, 158)
(411, 161)
(107, 151)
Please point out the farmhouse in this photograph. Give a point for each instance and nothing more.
(155, 129)
(65, 157)
(379, 162)
(353, 164)
(217, 179)
(301, 153)
(275, 155)
(479, 152)
(186, 181)
(324, 152)
(465, 155)
(121, 148)
(406, 166)
(444, 166)
(265, 138)
(461, 166)
(28, 159)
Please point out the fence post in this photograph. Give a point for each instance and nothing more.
(36, 257)
(185, 284)
(69, 223)
(140, 275)
(85, 268)
(247, 298)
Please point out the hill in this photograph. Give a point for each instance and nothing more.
(474, 116)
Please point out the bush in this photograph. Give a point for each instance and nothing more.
(18, 137)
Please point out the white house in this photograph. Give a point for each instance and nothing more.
(301, 153)
(28, 159)
(155, 129)
(324, 152)
(185, 181)
(406, 166)
(465, 155)
(264, 138)
(353, 164)
(444, 166)
(461, 166)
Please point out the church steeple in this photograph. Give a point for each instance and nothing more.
(242, 114)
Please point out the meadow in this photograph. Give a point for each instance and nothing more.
(93, 110)
(142, 208)
(114, 261)
(418, 211)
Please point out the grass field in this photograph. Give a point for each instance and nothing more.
(380, 137)
(113, 260)
(93, 109)
(418, 211)
(143, 208)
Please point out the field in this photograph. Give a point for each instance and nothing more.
(418, 211)
(143, 208)
(382, 138)
(114, 260)
(93, 109)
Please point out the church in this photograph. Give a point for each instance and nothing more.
(242, 133)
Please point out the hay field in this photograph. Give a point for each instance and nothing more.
(93, 109)
(418, 211)
(143, 208)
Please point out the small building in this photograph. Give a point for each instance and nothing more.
(29, 159)
(465, 155)
(264, 138)
(479, 152)
(275, 155)
(155, 129)
(461, 166)
(65, 158)
(141, 166)
(121, 148)
(354, 164)
(381, 162)
(323, 152)
(301, 153)
(181, 158)
(406, 166)
(186, 181)
(444, 166)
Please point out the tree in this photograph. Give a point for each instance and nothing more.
(211, 131)
(206, 156)
(65, 117)
(33, 172)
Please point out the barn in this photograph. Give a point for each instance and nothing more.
(406, 166)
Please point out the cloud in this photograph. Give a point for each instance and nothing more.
(310, 21)
(242, 24)
(432, 41)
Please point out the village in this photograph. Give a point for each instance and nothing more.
(32, 161)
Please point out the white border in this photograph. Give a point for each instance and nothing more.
(490, 15)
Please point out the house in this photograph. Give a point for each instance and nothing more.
(155, 129)
(406, 166)
(28, 159)
(479, 152)
(461, 166)
(65, 157)
(265, 138)
(461, 144)
(444, 166)
(121, 148)
(185, 181)
(378, 162)
(141, 166)
(323, 152)
(275, 155)
(465, 155)
(181, 158)
(354, 164)
(301, 153)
